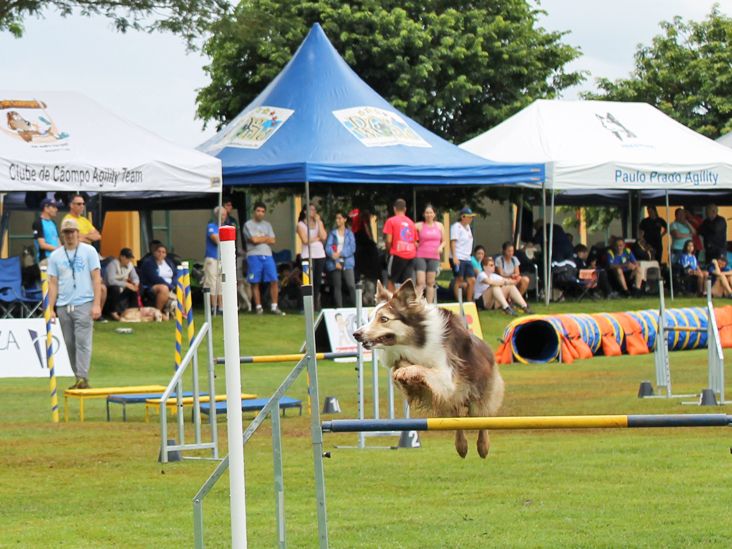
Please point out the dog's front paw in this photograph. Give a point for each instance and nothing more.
(409, 375)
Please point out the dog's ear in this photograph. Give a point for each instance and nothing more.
(407, 294)
(382, 294)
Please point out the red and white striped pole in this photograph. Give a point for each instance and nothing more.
(234, 423)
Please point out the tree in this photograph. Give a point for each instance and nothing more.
(686, 72)
(188, 18)
(458, 67)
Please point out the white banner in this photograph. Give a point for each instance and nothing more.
(23, 349)
(376, 127)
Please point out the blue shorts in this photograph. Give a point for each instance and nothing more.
(465, 269)
(262, 268)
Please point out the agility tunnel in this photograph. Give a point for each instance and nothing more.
(568, 337)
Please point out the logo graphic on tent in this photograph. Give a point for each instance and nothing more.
(613, 125)
(256, 126)
(28, 121)
(378, 127)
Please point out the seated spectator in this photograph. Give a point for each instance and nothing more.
(645, 254)
(498, 291)
(477, 259)
(122, 282)
(159, 275)
(693, 276)
(508, 266)
(584, 261)
(721, 274)
(624, 268)
(641, 249)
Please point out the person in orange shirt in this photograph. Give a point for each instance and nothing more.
(400, 238)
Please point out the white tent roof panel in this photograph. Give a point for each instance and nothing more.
(64, 141)
(607, 145)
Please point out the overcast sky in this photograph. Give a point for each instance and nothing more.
(151, 80)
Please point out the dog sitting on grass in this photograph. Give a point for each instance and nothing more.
(438, 364)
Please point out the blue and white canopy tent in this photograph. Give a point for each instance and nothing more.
(317, 121)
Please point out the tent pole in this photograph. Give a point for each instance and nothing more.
(307, 227)
(544, 254)
(551, 241)
(414, 202)
(519, 219)
(670, 264)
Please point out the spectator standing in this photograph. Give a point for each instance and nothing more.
(211, 279)
(624, 266)
(461, 245)
(681, 232)
(400, 237)
(430, 233)
(341, 251)
(45, 233)
(654, 228)
(259, 236)
(368, 263)
(88, 233)
(508, 266)
(312, 235)
(74, 290)
(714, 232)
(159, 276)
(122, 283)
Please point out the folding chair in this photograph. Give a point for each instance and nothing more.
(588, 279)
(13, 297)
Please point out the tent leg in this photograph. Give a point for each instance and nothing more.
(670, 264)
(545, 255)
(551, 241)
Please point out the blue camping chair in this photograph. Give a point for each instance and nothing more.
(16, 301)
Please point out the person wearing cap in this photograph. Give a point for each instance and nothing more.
(88, 233)
(45, 233)
(400, 238)
(461, 247)
(74, 296)
(122, 283)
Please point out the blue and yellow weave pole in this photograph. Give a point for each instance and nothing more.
(528, 422)
(260, 359)
(50, 362)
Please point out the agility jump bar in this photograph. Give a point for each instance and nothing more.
(528, 422)
(258, 359)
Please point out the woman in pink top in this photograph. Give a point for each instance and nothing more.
(312, 235)
(427, 262)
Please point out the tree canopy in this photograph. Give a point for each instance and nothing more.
(187, 18)
(458, 67)
(686, 72)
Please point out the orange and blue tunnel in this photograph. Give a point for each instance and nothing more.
(568, 337)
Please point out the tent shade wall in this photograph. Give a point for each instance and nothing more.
(601, 145)
(317, 121)
(64, 141)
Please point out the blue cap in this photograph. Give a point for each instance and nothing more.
(467, 211)
(48, 202)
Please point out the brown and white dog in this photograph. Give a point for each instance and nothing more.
(438, 364)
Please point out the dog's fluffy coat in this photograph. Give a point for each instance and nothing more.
(436, 362)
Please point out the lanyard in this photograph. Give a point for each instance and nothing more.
(71, 263)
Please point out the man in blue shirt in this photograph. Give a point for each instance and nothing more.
(45, 234)
(211, 278)
(625, 268)
(74, 289)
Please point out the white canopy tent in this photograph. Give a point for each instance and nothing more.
(597, 146)
(725, 140)
(64, 141)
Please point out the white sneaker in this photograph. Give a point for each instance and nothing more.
(277, 311)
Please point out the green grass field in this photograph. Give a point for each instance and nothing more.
(98, 484)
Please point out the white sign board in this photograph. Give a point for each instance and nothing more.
(341, 323)
(23, 349)
(376, 127)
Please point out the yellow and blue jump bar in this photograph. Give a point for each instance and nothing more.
(528, 422)
(260, 359)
